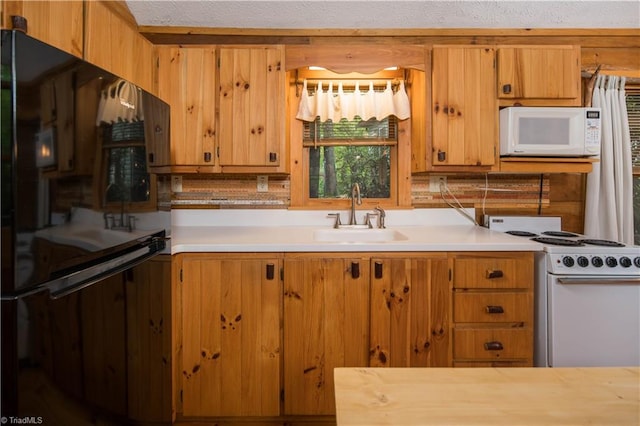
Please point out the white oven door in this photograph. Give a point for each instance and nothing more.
(593, 321)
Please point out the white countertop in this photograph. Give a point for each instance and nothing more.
(293, 231)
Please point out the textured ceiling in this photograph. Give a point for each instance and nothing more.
(373, 14)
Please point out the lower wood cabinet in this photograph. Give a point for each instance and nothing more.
(257, 336)
(326, 325)
(492, 303)
(409, 311)
(229, 356)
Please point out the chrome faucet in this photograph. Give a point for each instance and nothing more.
(355, 199)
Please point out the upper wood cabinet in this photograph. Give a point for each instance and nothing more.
(464, 107)
(539, 75)
(112, 42)
(252, 108)
(58, 23)
(187, 81)
(229, 335)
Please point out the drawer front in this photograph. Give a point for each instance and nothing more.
(492, 307)
(492, 344)
(499, 272)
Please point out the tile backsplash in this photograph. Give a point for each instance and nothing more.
(235, 191)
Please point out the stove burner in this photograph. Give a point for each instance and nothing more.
(604, 243)
(558, 241)
(521, 233)
(560, 234)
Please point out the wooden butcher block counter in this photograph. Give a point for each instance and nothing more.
(488, 396)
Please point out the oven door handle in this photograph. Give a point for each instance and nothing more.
(600, 280)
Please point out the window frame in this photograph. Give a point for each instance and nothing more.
(400, 164)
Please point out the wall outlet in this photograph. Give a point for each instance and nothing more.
(176, 183)
(434, 182)
(263, 183)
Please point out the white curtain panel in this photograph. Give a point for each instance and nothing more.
(336, 105)
(609, 200)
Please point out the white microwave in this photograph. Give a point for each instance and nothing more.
(550, 131)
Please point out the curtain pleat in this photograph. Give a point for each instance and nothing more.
(609, 199)
(336, 105)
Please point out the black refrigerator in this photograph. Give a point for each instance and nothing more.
(79, 207)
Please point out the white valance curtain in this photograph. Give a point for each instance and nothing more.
(336, 105)
(609, 199)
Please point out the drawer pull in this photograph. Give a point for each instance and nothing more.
(355, 270)
(494, 309)
(493, 346)
(494, 274)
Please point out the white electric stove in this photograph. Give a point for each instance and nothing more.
(587, 295)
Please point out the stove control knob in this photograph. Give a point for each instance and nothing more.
(636, 261)
(625, 261)
(568, 261)
(583, 261)
(611, 261)
(597, 261)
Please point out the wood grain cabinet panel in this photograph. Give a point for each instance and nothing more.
(539, 75)
(230, 335)
(492, 343)
(58, 23)
(491, 270)
(113, 43)
(326, 325)
(464, 107)
(409, 312)
(492, 305)
(252, 108)
(187, 81)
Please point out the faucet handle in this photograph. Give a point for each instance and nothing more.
(337, 222)
(367, 219)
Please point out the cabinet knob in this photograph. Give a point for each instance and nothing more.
(493, 346)
(506, 89)
(442, 156)
(207, 157)
(273, 157)
(151, 158)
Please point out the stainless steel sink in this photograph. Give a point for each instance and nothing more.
(358, 234)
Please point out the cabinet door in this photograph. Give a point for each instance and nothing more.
(539, 72)
(187, 81)
(113, 42)
(465, 110)
(409, 312)
(58, 23)
(251, 106)
(230, 330)
(326, 308)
